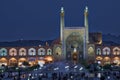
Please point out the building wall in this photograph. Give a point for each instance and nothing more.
(107, 54)
(96, 53)
(15, 55)
(74, 38)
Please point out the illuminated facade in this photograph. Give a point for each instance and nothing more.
(74, 40)
(16, 55)
(75, 44)
(107, 54)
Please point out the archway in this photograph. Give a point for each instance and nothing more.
(32, 61)
(41, 51)
(106, 60)
(98, 51)
(20, 61)
(12, 52)
(116, 60)
(106, 51)
(58, 53)
(3, 52)
(91, 51)
(75, 56)
(22, 52)
(48, 59)
(99, 60)
(13, 62)
(116, 51)
(74, 47)
(49, 51)
(3, 61)
(32, 52)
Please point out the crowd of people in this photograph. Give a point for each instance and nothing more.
(105, 75)
(81, 76)
(60, 71)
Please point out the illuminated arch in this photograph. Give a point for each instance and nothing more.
(58, 51)
(12, 52)
(41, 51)
(32, 61)
(90, 51)
(48, 58)
(3, 61)
(116, 51)
(3, 52)
(99, 59)
(22, 52)
(106, 51)
(106, 60)
(98, 51)
(21, 60)
(32, 52)
(49, 51)
(116, 60)
(12, 61)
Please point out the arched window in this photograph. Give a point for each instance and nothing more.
(106, 60)
(49, 51)
(58, 51)
(116, 51)
(106, 51)
(41, 51)
(3, 61)
(90, 51)
(22, 52)
(3, 52)
(32, 52)
(12, 61)
(12, 52)
(99, 59)
(116, 60)
(21, 60)
(98, 51)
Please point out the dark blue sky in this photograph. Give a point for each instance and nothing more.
(39, 19)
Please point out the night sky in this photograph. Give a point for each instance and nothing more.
(40, 19)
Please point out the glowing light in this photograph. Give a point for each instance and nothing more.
(66, 66)
(75, 50)
(100, 42)
(62, 9)
(56, 68)
(81, 68)
(41, 63)
(99, 58)
(75, 66)
(99, 62)
(49, 58)
(99, 75)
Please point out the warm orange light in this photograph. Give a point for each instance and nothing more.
(99, 58)
(49, 58)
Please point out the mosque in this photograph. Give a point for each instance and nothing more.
(75, 44)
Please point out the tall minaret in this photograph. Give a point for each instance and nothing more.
(61, 24)
(86, 23)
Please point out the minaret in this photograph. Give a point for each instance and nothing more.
(86, 23)
(61, 24)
